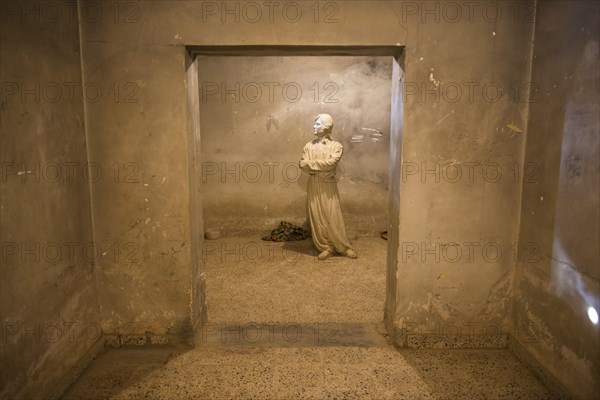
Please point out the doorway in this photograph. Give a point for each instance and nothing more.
(219, 160)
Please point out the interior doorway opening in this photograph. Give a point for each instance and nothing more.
(247, 126)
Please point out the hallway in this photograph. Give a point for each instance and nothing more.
(146, 146)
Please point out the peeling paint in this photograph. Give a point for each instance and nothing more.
(433, 80)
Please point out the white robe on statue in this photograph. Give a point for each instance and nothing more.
(319, 160)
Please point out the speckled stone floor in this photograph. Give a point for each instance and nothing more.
(283, 325)
(323, 372)
(250, 280)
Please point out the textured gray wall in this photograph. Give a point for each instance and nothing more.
(557, 278)
(152, 134)
(459, 199)
(252, 138)
(49, 312)
(465, 109)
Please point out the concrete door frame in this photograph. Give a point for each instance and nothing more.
(197, 297)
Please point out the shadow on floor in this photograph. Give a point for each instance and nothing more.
(293, 334)
(476, 374)
(305, 247)
(117, 373)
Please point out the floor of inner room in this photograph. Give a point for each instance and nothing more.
(284, 325)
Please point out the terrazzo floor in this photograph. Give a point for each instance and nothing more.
(283, 325)
(250, 280)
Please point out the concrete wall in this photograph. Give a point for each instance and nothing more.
(464, 121)
(557, 278)
(143, 47)
(49, 312)
(252, 138)
(142, 133)
(467, 93)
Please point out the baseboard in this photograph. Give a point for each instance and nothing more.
(403, 339)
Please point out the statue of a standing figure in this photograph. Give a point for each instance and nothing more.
(319, 160)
